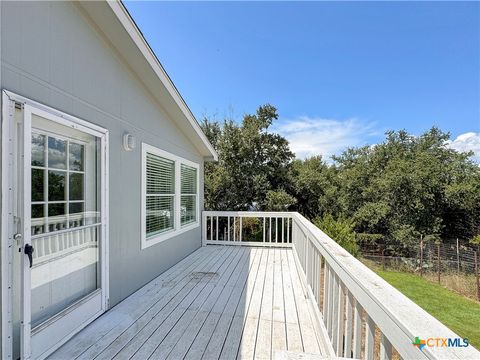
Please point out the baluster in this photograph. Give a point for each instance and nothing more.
(288, 230)
(264, 221)
(369, 338)
(234, 229)
(57, 243)
(357, 332)
(341, 318)
(326, 282)
(314, 277)
(330, 302)
(44, 246)
(283, 230)
(349, 325)
(385, 348)
(34, 244)
(216, 228)
(276, 229)
(319, 281)
(336, 308)
(228, 236)
(241, 228)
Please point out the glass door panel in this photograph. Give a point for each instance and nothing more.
(65, 217)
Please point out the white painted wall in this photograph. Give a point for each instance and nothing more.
(52, 53)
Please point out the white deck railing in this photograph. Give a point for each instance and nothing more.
(362, 315)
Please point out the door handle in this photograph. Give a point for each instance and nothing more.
(28, 250)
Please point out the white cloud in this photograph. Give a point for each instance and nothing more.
(469, 141)
(318, 136)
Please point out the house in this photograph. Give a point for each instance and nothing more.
(106, 251)
(102, 168)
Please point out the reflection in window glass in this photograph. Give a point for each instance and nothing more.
(76, 208)
(56, 185)
(56, 209)
(76, 157)
(57, 153)
(38, 184)
(37, 211)
(76, 214)
(76, 186)
(38, 150)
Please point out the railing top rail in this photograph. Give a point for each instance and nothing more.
(399, 318)
(249, 213)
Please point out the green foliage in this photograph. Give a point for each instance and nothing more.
(403, 188)
(314, 185)
(410, 186)
(251, 163)
(341, 230)
(278, 200)
(475, 240)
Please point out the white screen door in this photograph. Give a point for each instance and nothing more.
(61, 167)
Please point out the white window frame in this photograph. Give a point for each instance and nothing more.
(177, 227)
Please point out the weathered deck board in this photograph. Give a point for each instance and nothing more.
(220, 302)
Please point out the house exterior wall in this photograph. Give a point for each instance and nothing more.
(53, 54)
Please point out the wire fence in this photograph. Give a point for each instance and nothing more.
(453, 264)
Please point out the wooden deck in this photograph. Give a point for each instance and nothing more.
(220, 302)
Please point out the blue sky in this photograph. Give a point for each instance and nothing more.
(340, 73)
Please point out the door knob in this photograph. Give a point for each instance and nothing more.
(28, 250)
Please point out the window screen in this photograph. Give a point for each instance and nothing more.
(188, 199)
(160, 195)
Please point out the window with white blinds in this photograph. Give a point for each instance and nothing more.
(160, 197)
(188, 201)
(170, 195)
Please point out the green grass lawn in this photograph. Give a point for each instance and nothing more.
(460, 314)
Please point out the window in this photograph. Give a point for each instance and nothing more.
(170, 195)
(188, 201)
(160, 201)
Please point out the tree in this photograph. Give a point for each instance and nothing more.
(410, 186)
(314, 185)
(252, 162)
(399, 190)
(341, 230)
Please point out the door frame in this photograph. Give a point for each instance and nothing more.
(8, 228)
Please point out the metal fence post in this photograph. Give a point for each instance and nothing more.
(421, 255)
(438, 262)
(458, 258)
(477, 276)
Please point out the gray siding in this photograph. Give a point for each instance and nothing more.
(52, 54)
